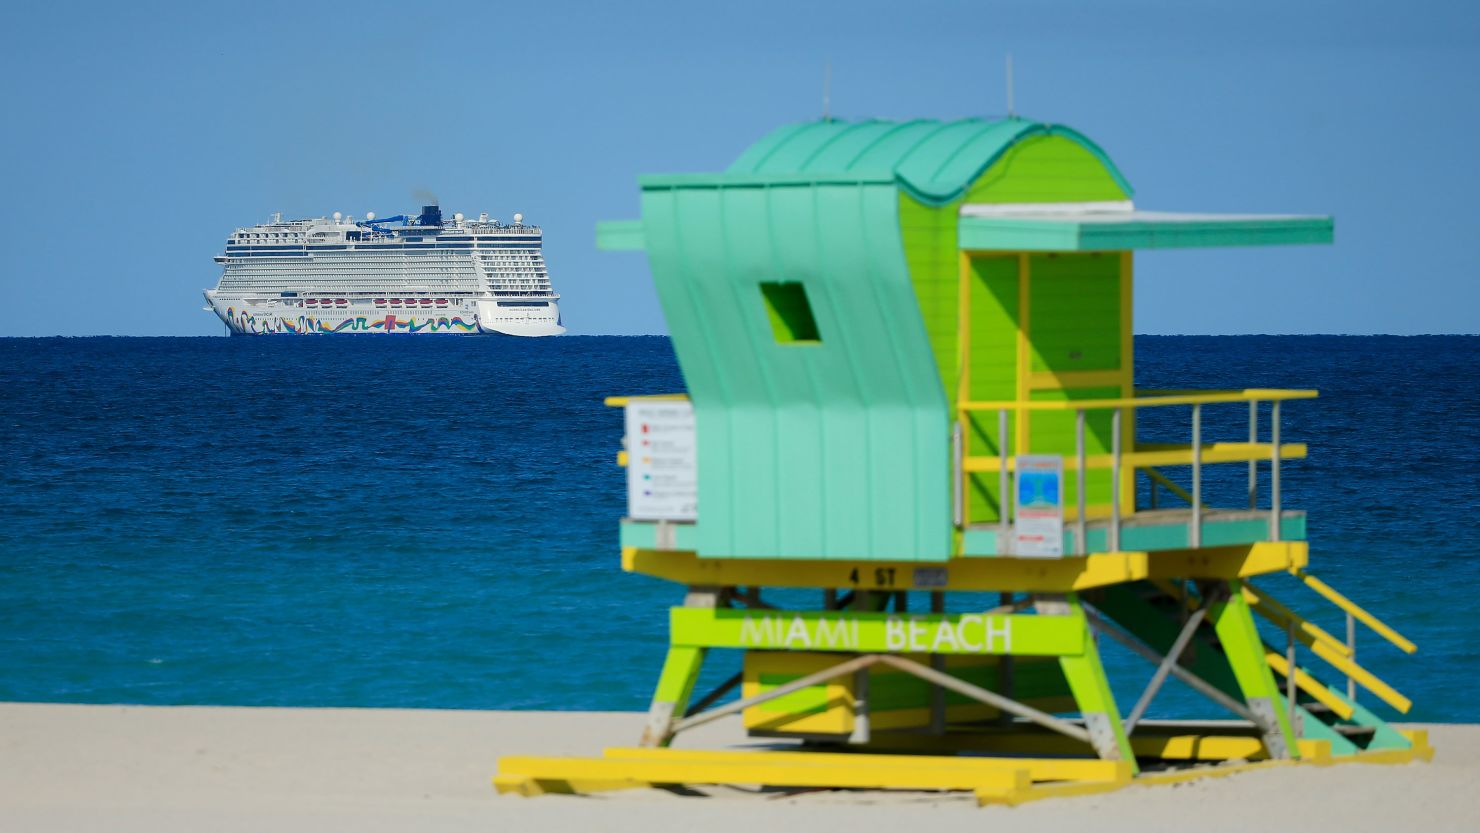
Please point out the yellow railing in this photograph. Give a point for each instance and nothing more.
(1141, 456)
(621, 401)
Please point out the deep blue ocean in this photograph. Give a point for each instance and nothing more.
(431, 522)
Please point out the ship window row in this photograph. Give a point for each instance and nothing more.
(268, 235)
(355, 289)
(363, 288)
(384, 268)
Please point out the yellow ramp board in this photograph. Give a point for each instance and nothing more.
(772, 771)
(1039, 769)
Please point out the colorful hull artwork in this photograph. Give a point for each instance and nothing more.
(242, 321)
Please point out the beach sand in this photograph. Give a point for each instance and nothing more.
(133, 768)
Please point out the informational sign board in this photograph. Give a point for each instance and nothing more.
(1039, 528)
(662, 461)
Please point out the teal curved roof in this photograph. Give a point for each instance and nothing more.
(935, 160)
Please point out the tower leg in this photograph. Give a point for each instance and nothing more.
(1234, 624)
(675, 687)
(1087, 682)
(676, 683)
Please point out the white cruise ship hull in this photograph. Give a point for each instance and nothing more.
(519, 318)
(245, 316)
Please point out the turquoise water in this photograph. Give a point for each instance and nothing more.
(431, 522)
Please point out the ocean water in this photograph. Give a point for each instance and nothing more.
(431, 522)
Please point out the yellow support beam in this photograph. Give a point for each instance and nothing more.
(1157, 454)
(1062, 379)
(1239, 561)
(622, 401)
(1039, 769)
(1144, 399)
(1009, 781)
(1310, 685)
(1283, 616)
(774, 771)
(1042, 575)
(1038, 792)
(1357, 612)
(1363, 677)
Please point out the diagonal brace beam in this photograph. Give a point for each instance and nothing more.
(991, 698)
(719, 691)
(1202, 686)
(779, 691)
(1165, 668)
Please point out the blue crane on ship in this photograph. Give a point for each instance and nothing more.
(430, 215)
(376, 223)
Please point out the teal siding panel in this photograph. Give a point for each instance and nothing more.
(831, 449)
(935, 161)
(1069, 235)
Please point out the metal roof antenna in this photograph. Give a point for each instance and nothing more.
(826, 90)
(1010, 113)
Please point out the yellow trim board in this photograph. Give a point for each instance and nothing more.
(1039, 769)
(1009, 781)
(1066, 379)
(1378, 626)
(773, 771)
(1037, 792)
(1143, 399)
(1239, 561)
(1042, 575)
(1020, 574)
(1155, 455)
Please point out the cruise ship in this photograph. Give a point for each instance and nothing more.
(399, 274)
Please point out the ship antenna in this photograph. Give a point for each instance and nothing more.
(826, 90)
(1010, 113)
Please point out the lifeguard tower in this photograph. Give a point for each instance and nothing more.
(904, 482)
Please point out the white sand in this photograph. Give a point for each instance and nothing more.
(129, 768)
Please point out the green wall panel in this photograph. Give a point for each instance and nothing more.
(1074, 304)
(992, 371)
(1048, 168)
(929, 238)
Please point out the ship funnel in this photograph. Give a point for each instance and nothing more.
(431, 215)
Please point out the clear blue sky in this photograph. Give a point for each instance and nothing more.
(137, 135)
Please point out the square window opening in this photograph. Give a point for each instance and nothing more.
(790, 312)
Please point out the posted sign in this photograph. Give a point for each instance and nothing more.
(1039, 530)
(662, 470)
